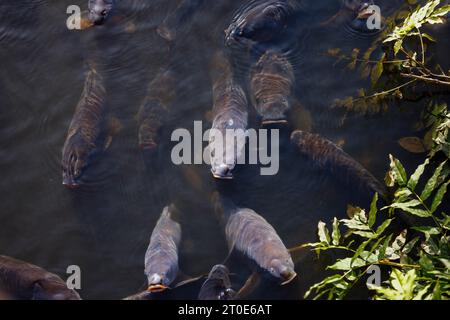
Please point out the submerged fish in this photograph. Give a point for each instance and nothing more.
(251, 235)
(184, 12)
(261, 21)
(229, 116)
(327, 155)
(25, 281)
(100, 10)
(217, 286)
(271, 83)
(154, 109)
(85, 128)
(355, 14)
(161, 258)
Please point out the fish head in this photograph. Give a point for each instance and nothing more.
(219, 272)
(222, 171)
(157, 282)
(99, 10)
(74, 160)
(259, 24)
(226, 145)
(227, 294)
(365, 11)
(273, 109)
(282, 269)
(53, 290)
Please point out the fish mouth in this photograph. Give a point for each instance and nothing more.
(70, 182)
(270, 122)
(365, 12)
(72, 185)
(148, 146)
(222, 172)
(222, 177)
(155, 288)
(289, 278)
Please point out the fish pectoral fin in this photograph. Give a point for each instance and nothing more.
(114, 128)
(108, 143)
(249, 286)
(188, 280)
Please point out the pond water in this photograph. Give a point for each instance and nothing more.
(104, 226)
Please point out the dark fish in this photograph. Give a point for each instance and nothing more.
(25, 281)
(327, 155)
(84, 130)
(100, 10)
(155, 108)
(184, 12)
(261, 21)
(229, 114)
(161, 258)
(251, 235)
(355, 14)
(217, 286)
(271, 83)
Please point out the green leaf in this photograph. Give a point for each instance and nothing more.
(437, 292)
(377, 71)
(324, 234)
(347, 264)
(405, 205)
(360, 249)
(418, 212)
(397, 46)
(432, 183)
(402, 286)
(414, 179)
(329, 280)
(397, 173)
(399, 241)
(427, 230)
(404, 283)
(445, 262)
(421, 293)
(429, 37)
(373, 210)
(410, 245)
(336, 235)
(430, 247)
(425, 262)
(364, 234)
(383, 226)
(382, 252)
(439, 196)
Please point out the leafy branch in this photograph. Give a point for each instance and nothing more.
(419, 265)
(403, 63)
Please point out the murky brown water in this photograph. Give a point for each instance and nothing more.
(105, 226)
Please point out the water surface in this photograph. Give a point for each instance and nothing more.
(105, 226)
